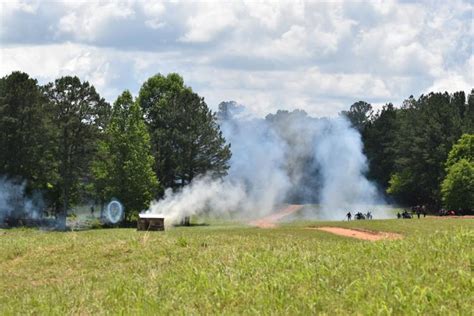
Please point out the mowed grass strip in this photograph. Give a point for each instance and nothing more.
(240, 270)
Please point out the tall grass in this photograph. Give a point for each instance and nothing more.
(240, 270)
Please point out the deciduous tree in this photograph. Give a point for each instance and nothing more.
(458, 187)
(124, 165)
(186, 138)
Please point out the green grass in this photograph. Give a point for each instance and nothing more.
(232, 269)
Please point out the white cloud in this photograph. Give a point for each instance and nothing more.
(266, 13)
(320, 56)
(48, 62)
(208, 20)
(86, 20)
(10, 6)
(452, 81)
(154, 13)
(291, 43)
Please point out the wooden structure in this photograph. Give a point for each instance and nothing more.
(150, 223)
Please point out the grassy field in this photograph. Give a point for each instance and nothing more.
(231, 269)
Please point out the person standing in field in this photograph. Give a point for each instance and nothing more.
(349, 216)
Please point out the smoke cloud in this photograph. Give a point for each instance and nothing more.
(288, 157)
(14, 203)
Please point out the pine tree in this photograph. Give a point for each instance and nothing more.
(379, 144)
(79, 117)
(428, 127)
(25, 132)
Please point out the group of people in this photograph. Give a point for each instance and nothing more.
(404, 214)
(359, 215)
(444, 212)
(418, 210)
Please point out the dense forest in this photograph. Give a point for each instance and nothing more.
(421, 153)
(67, 143)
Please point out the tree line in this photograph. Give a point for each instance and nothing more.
(71, 145)
(421, 153)
(68, 143)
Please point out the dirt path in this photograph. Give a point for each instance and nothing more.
(270, 221)
(359, 234)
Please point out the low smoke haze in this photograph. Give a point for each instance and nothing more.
(14, 200)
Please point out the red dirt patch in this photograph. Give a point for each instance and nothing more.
(359, 234)
(271, 220)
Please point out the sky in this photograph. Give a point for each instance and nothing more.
(317, 56)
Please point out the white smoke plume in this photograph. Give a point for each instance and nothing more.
(288, 157)
(13, 201)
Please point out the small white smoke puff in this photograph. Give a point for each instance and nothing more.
(13, 201)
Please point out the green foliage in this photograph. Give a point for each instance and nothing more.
(124, 165)
(398, 183)
(427, 129)
(239, 270)
(95, 223)
(79, 117)
(468, 115)
(379, 137)
(186, 140)
(458, 186)
(157, 91)
(182, 242)
(50, 135)
(463, 149)
(407, 147)
(26, 134)
(359, 114)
